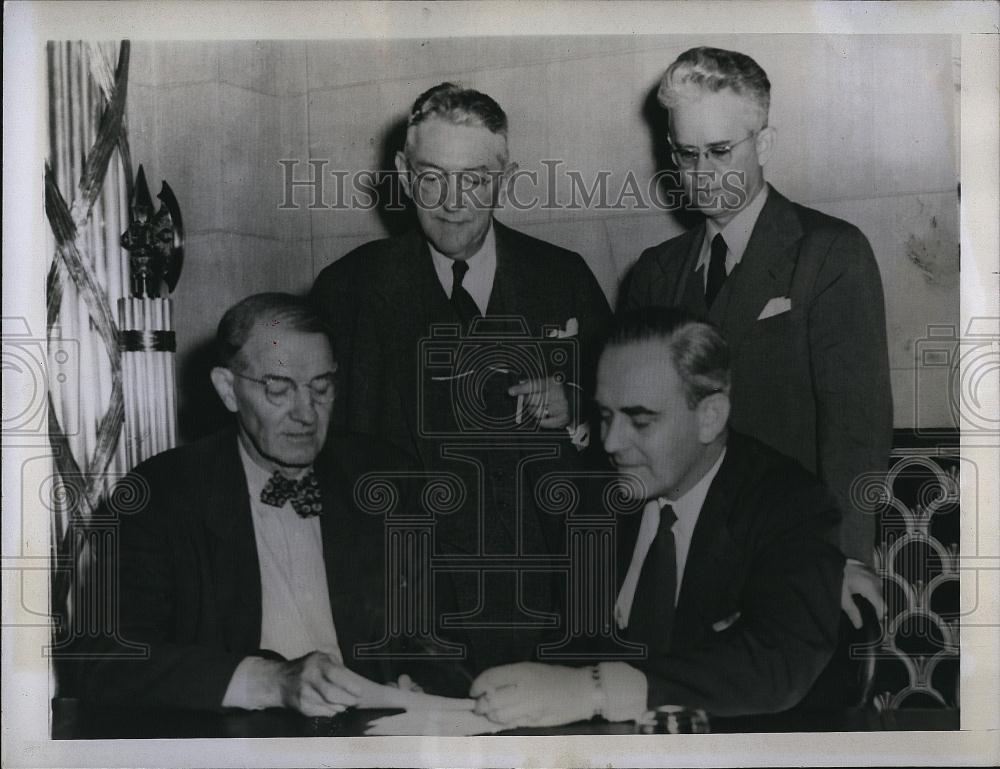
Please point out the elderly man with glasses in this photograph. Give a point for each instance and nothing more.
(248, 577)
(796, 293)
(468, 345)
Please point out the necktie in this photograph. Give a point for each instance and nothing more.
(716, 269)
(461, 299)
(652, 616)
(303, 493)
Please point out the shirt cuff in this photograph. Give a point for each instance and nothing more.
(626, 690)
(252, 685)
(579, 435)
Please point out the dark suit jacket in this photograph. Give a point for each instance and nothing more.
(764, 561)
(383, 297)
(380, 301)
(190, 584)
(814, 382)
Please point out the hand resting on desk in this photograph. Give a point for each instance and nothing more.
(533, 694)
(318, 685)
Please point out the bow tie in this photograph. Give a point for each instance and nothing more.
(303, 493)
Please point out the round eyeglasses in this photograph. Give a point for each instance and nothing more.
(282, 390)
(434, 185)
(717, 154)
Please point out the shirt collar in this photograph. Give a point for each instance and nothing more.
(737, 232)
(257, 476)
(688, 506)
(482, 264)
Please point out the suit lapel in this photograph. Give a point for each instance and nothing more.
(764, 272)
(510, 288)
(711, 557)
(339, 541)
(691, 287)
(234, 558)
(626, 534)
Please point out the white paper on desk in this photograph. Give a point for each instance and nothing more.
(373, 695)
(391, 697)
(438, 723)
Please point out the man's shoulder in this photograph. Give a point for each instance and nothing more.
(190, 460)
(767, 496)
(813, 221)
(524, 243)
(550, 264)
(669, 250)
(763, 468)
(368, 259)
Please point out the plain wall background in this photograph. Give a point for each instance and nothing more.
(867, 131)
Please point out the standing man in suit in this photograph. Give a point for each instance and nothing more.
(730, 577)
(796, 293)
(497, 422)
(250, 577)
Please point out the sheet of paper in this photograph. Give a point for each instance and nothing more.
(375, 695)
(441, 723)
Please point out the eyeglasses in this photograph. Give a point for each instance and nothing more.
(717, 154)
(432, 182)
(281, 390)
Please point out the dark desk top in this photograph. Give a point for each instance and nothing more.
(72, 719)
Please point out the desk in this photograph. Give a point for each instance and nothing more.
(74, 720)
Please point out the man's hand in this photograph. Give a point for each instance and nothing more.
(545, 400)
(406, 684)
(860, 580)
(533, 694)
(318, 685)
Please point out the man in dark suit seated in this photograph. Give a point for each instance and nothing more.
(796, 293)
(490, 402)
(250, 577)
(730, 577)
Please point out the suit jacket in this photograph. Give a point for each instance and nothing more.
(190, 583)
(381, 301)
(383, 297)
(757, 616)
(813, 382)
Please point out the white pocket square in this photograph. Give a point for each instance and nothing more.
(572, 327)
(728, 622)
(775, 306)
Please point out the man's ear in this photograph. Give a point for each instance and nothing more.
(713, 416)
(503, 185)
(403, 169)
(222, 381)
(765, 144)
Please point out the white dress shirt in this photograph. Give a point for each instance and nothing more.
(478, 281)
(736, 234)
(687, 508)
(625, 687)
(295, 602)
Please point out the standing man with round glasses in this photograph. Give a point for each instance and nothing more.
(796, 293)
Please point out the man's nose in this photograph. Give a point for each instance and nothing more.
(613, 437)
(303, 408)
(454, 198)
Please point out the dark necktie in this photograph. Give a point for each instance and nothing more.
(716, 269)
(303, 493)
(461, 299)
(652, 616)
